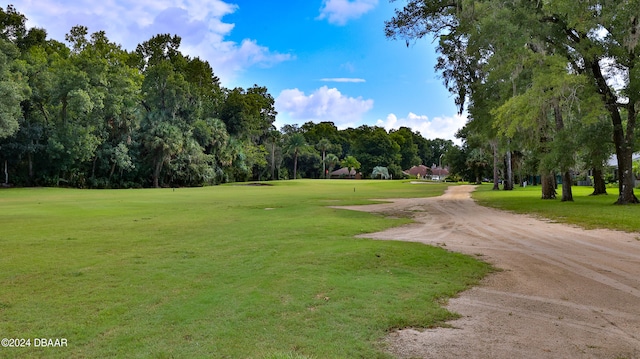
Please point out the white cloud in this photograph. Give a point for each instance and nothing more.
(339, 12)
(343, 79)
(127, 22)
(324, 104)
(438, 127)
(228, 58)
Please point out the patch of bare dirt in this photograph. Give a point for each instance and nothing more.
(563, 292)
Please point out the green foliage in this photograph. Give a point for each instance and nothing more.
(237, 271)
(12, 89)
(406, 139)
(350, 163)
(373, 147)
(530, 70)
(295, 144)
(248, 114)
(86, 112)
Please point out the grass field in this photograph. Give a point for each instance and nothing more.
(585, 211)
(217, 272)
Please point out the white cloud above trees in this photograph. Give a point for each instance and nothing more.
(126, 22)
(324, 104)
(437, 127)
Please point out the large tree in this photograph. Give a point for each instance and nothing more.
(12, 89)
(351, 163)
(404, 137)
(373, 147)
(295, 144)
(597, 39)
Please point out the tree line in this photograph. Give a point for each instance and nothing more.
(551, 87)
(88, 113)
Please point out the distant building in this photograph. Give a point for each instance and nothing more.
(434, 173)
(421, 170)
(344, 173)
(439, 174)
(613, 163)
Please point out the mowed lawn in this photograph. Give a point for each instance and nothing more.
(230, 271)
(585, 211)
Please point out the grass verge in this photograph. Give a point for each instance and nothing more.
(217, 272)
(585, 211)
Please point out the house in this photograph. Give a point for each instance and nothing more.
(415, 171)
(344, 173)
(438, 173)
(613, 163)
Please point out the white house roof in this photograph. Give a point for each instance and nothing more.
(613, 160)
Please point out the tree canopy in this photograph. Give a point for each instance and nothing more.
(551, 89)
(534, 74)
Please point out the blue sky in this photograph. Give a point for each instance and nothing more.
(322, 60)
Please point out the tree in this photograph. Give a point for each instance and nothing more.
(323, 146)
(477, 160)
(116, 86)
(12, 25)
(408, 148)
(164, 98)
(158, 49)
(592, 37)
(332, 161)
(351, 163)
(294, 145)
(437, 148)
(315, 132)
(12, 90)
(248, 114)
(374, 147)
(598, 136)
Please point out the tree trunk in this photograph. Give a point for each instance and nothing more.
(324, 167)
(599, 187)
(496, 161)
(295, 165)
(273, 161)
(625, 172)
(548, 186)
(156, 172)
(30, 161)
(6, 173)
(623, 144)
(508, 183)
(111, 172)
(567, 194)
(93, 168)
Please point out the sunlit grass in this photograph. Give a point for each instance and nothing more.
(586, 211)
(217, 272)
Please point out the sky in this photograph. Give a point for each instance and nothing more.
(322, 60)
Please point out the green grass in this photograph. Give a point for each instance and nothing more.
(217, 272)
(585, 211)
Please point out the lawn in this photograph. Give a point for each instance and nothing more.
(230, 271)
(585, 211)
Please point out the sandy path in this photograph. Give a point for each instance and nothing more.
(564, 292)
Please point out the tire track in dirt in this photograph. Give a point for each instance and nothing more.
(563, 292)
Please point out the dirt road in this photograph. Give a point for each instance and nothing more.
(563, 292)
